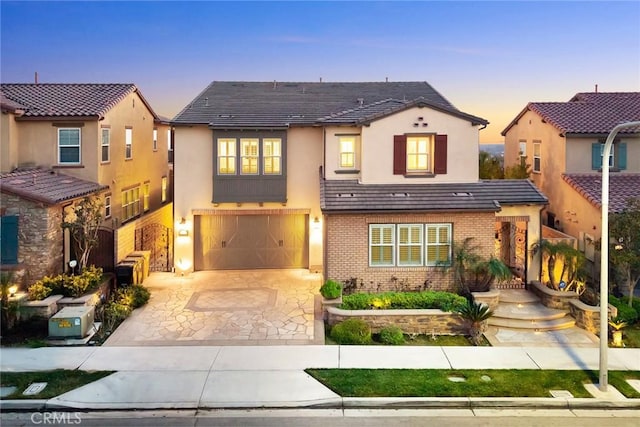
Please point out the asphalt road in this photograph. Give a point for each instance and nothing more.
(330, 417)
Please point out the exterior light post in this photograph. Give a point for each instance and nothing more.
(604, 255)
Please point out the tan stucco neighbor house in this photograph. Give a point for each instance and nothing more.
(563, 141)
(371, 180)
(105, 134)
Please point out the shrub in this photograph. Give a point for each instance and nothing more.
(445, 301)
(391, 335)
(625, 313)
(39, 290)
(69, 286)
(134, 296)
(351, 331)
(331, 289)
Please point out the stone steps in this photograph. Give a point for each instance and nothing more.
(522, 310)
(535, 325)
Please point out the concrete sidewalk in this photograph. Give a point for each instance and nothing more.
(273, 376)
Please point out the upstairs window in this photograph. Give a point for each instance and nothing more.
(107, 206)
(155, 140)
(272, 156)
(617, 156)
(347, 152)
(249, 156)
(522, 149)
(226, 156)
(105, 145)
(419, 154)
(128, 143)
(537, 160)
(69, 146)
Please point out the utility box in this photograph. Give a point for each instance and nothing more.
(72, 322)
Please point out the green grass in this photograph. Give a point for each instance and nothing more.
(60, 381)
(631, 336)
(436, 383)
(424, 340)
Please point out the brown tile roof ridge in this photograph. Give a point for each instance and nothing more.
(622, 186)
(47, 185)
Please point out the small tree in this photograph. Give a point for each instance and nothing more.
(490, 166)
(624, 227)
(563, 265)
(520, 171)
(83, 220)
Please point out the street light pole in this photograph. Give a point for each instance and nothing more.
(604, 254)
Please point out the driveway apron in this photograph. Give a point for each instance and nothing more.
(251, 307)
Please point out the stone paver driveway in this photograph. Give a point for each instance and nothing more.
(252, 307)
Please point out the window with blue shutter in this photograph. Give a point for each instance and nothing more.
(9, 240)
(596, 156)
(617, 156)
(622, 156)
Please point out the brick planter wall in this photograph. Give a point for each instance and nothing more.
(348, 248)
(588, 316)
(436, 322)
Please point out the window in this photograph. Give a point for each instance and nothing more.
(130, 203)
(226, 156)
(163, 196)
(128, 143)
(419, 154)
(272, 156)
(418, 150)
(107, 206)
(347, 152)
(381, 244)
(145, 196)
(9, 239)
(170, 145)
(69, 146)
(522, 150)
(155, 140)
(617, 156)
(536, 156)
(249, 156)
(409, 245)
(106, 142)
(438, 244)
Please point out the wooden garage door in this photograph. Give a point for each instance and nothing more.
(235, 242)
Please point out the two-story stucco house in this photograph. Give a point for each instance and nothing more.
(374, 181)
(105, 134)
(563, 141)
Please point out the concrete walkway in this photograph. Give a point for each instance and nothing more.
(273, 376)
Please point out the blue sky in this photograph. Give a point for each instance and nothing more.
(488, 58)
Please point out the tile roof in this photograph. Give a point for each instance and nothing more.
(349, 195)
(61, 100)
(283, 104)
(47, 186)
(7, 104)
(622, 186)
(588, 112)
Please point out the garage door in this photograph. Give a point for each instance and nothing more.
(236, 242)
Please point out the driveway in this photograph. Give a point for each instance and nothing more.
(250, 307)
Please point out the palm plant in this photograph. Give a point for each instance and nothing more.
(475, 315)
(563, 264)
(617, 323)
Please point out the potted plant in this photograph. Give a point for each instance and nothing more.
(331, 291)
(617, 324)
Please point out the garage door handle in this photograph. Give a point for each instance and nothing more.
(224, 244)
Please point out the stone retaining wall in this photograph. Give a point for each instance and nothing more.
(490, 298)
(435, 322)
(588, 316)
(551, 298)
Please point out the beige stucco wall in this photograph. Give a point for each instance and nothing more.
(534, 230)
(580, 159)
(193, 163)
(8, 142)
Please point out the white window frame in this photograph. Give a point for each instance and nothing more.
(146, 190)
(410, 243)
(155, 139)
(347, 147)
(437, 243)
(227, 152)
(78, 146)
(537, 156)
(107, 206)
(249, 162)
(130, 203)
(272, 157)
(611, 156)
(163, 189)
(419, 153)
(128, 143)
(382, 227)
(522, 148)
(105, 145)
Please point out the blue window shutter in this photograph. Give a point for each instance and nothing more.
(9, 240)
(622, 156)
(596, 156)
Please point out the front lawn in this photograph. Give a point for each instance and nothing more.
(631, 336)
(477, 383)
(59, 381)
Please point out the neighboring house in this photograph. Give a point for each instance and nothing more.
(373, 181)
(563, 141)
(31, 214)
(106, 134)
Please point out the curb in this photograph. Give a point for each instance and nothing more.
(22, 404)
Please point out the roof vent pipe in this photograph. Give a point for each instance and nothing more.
(361, 101)
(206, 102)
(36, 77)
(386, 79)
(275, 84)
(320, 79)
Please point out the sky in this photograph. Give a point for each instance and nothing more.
(488, 59)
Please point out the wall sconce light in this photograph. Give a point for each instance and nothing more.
(183, 231)
(316, 223)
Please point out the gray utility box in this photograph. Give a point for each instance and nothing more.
(72, 322)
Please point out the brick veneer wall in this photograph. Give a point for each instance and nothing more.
(347, 247)
(40, 251)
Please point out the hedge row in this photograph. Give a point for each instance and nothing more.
(444, 301)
